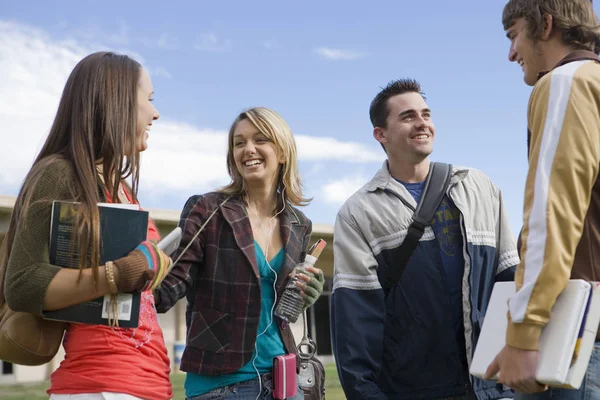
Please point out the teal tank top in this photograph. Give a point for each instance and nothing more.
(268, 342)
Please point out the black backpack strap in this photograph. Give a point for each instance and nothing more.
(436, 185)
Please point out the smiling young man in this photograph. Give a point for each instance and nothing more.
(415, 340)
(556, 42)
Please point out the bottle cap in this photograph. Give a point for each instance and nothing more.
(310, 259)
(317, 248)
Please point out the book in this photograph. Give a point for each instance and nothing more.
(586, 340)
(566, 343)
(581, 331)
(122, 228)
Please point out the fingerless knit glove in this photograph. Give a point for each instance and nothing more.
(142, 269)
(314, 288)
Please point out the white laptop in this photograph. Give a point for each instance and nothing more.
(556, 365)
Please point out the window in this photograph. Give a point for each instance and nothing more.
(7, 368)
(7, 373)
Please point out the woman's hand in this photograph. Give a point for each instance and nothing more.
(310, 281)
(142, 269)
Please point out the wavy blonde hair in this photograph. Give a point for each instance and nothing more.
(274, 127)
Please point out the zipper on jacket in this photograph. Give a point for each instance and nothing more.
(402, 199)
(452, 328)
(467, 257)
(467, 261)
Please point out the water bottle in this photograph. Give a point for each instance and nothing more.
(291, 304)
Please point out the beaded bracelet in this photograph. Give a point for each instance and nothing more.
(113, 320)
(110, 277)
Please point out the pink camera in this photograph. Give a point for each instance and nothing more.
(284, 376)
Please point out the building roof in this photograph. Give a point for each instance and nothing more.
(7, 203)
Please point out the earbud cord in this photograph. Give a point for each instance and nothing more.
(269, 237)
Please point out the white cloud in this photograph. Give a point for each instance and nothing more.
(160, 71)
(34, 71)
(311, 148)
(168, 42)
(30, 96)
(211, 42)
(337, 192)
(338, 54)
(180, 156)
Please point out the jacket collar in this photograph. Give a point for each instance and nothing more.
(291, 226)
(577, 55)
(383, 180)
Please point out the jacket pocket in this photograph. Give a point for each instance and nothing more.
(210, 330)
(398, 310)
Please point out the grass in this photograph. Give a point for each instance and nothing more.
(38, 391)
(333, 389)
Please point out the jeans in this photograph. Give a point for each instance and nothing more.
(589, 389)
(247, 390)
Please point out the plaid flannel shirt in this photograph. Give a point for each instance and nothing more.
(219, 276)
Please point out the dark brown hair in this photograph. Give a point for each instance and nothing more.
(95, 125)
(379, 111)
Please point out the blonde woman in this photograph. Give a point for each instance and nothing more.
(234, 273)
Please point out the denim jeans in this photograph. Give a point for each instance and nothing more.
(247, 390)
(589, 389)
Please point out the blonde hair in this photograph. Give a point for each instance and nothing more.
(274, 127)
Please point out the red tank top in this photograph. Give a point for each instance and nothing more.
(131, 361)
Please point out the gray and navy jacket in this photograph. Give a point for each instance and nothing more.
(400, 343)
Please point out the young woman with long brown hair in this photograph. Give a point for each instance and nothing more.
(94, 145)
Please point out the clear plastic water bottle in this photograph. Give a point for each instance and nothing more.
(291, 304)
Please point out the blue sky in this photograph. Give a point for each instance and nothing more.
(318, 64)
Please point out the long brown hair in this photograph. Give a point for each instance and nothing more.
(274, 127)
(95, 123)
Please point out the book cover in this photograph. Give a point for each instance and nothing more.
(586, 341)
(561, 338)
(582, 328)
(122, 228)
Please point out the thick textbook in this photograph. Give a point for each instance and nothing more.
(122, 228)
(566, 343)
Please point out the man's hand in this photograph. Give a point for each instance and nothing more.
(516, 369)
